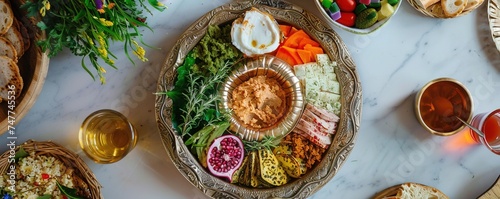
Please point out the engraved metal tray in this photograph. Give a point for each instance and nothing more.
(494, 19)
(351, 100)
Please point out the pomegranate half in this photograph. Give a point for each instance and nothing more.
(225, 156)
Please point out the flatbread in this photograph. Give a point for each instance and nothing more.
(9, 75)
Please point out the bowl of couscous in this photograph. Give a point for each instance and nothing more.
(47, 170)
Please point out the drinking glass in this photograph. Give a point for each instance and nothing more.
(107, 136)
(489, 124)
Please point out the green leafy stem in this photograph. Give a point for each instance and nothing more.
(86, 28)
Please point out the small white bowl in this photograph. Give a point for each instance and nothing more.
(368, 30)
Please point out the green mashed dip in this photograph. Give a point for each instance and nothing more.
(214, 50)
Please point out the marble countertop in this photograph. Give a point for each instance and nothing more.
(391, 147)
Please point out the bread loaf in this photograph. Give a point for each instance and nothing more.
(6, 17)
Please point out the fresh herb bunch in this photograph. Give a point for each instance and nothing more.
(199, 99)
(86, 27)
(195, 93)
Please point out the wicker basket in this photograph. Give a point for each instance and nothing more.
(68, 158)
(431, 10)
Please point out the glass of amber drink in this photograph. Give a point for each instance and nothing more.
(489, 124)
(107, 136)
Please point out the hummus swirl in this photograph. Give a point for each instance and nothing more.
(259, 102)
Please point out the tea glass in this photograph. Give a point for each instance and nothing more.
(489, 124)
(107, 136)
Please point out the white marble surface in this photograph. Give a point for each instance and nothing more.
(391, 146)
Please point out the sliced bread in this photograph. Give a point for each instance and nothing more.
(453, 8)
(16, 39)
(427, 3)
(411, 190)
(10, 78)
(472, 4)
(7, 49)
(414, 190)
(437, 10)
(6, 17)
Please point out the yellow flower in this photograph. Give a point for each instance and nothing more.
(102, 79)
(139, 52)
(101, 11)
(42, 11)
(101, 40)
(46, 4)
(105, 22)
(109, 61)
(102, 52)
(102, 70)
(91, 42)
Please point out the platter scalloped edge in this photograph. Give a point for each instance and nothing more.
(494, 21)
(351, 101)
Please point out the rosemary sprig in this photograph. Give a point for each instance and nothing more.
(201, 100)
(86, 27)
(267, 142)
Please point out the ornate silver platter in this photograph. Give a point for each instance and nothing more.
(348, 126)
(494, 19)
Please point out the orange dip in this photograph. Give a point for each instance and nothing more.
(259, 102)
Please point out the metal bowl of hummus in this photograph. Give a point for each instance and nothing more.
(264, 97)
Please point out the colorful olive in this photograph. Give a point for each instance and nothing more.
(346, 5)
(359, 8)
(366, 18)
(393, 2)
(326, 3)
(347, 19)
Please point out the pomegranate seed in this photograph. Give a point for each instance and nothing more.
(45, 176)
